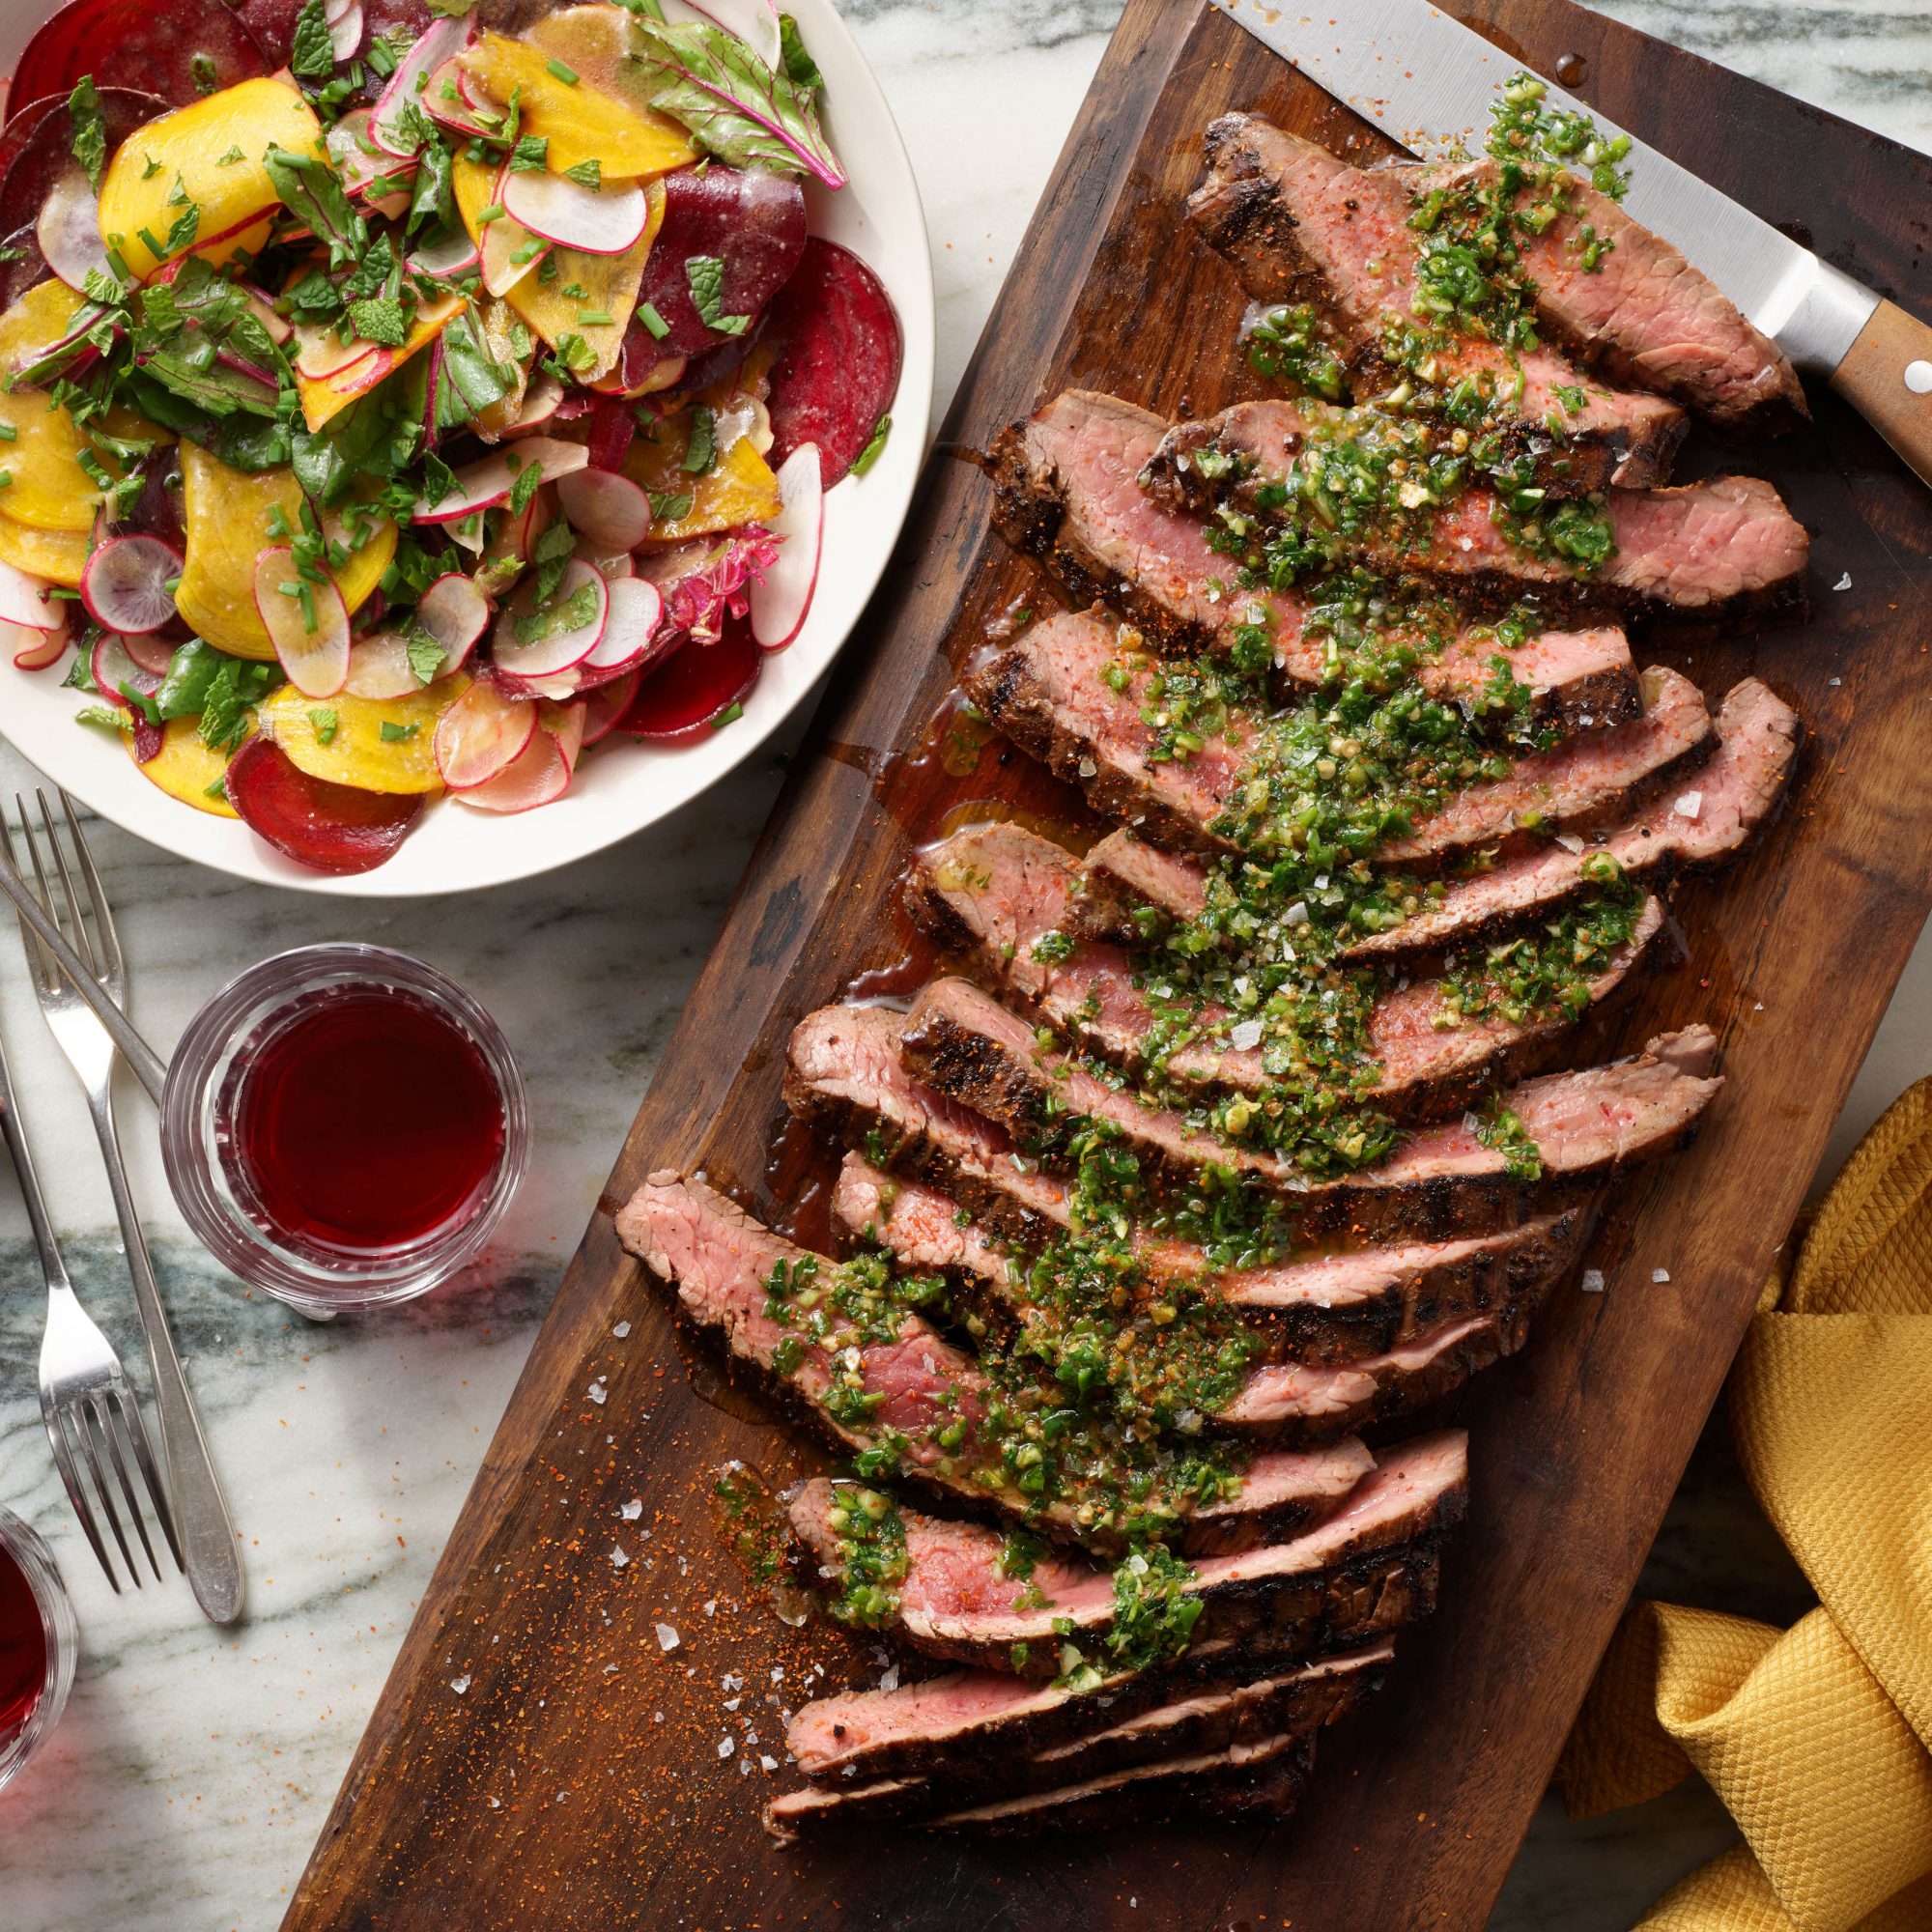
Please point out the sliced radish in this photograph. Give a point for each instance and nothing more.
(630, 629)
(484, 484)
(68, 230)
(517, 534)
(538, 774)
(452, 253)
(540, 403)
(115, 672)
(508, 253)
(565, 723)
(609, 565)
(608, 509)
(780, 598)
(26, 600)
(482, 734)
(467, 532)
(155, 655)
(605, 707)
(316, 659)
(455, 613)
(443, 39)
(322, 355)
(546, 656)
(33, 650)
(345, 35)
(126, 582)
(379, 666)
(333, 11)
(595, 220)
(446, 100)
(279, 328)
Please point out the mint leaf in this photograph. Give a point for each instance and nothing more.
(799, 66)
(700, 446)
(426, 655)
(530, 156)
(576, 610)
(707, 275)
(586, 174)
(380, 320)
(310, 55)
(90, 131)
(325, 722)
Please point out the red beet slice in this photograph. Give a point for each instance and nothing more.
(838, 367)
(141, 43)
(329, 828)
(272, 23)
(24, 267)
(46, 152)
(678, 700)
(752, 223)
(26, 116)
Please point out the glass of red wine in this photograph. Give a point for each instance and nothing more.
(39, 1643)
(343, 1127)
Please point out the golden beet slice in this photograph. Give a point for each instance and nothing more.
(57, 556)
(569, 286)
(342, 739)
(185, 768)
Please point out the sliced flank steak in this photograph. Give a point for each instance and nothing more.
(950, 1732)
(1442, 1181)
(1006, 902)
(1068, 491)
(985, 1739)
(1724, 545)
(1644, 315)
(1071, 693)
(1279, 1398)
(916, 1385)
(845, 1073)
(1365, 1571)
(1723, 804)
(1298, 224)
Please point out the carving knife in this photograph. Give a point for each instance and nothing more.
(1427, 82)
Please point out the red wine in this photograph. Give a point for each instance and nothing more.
(363, 1119)
(24, 1649)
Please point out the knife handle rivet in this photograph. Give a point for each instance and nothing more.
(1918, 378)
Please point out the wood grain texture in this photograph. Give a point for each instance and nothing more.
(579, 1781)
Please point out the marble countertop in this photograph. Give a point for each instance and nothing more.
(194, 1767)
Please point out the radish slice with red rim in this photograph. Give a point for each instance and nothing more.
(553, 644)
(484, 484)
(442, 40)
(444, 100)
(33, 650)
(540, 403)
(116, 672)
(345, 35)
(310, 633)
(69, 231)
(128, 584)
(605, 706)
(630, 629)
(594, 220)
(155, 655)
(455, 613)
(608, 509)
(452, 253)
(380, 668)
(321, 352)
(565, 723)
(482, 734)
(279, 328)
(26, 600)
(329, 828)
(609, 565)
(780, 598)
(539, 774)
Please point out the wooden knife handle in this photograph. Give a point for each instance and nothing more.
(1886, 376)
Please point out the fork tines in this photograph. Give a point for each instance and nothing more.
(92, 1434)
(93, 939)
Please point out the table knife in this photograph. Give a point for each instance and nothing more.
(1407, 67)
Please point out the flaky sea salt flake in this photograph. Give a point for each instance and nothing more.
(1593, 1281)
(668, 1638)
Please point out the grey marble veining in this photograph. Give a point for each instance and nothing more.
(194, 1768)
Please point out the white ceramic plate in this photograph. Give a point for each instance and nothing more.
(622, 786)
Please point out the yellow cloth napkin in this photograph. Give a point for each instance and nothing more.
(1816, 1737)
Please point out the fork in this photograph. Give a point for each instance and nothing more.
(206, 1547)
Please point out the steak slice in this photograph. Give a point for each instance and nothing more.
(1721, 547)
(1729, 798)
(1132, 888)
(951, 1732)
(1068, 491)
(1367, 1570)
(1049, 690)
(1126, 1723)
(1645, 315)
(1443, 1180)
(721, 1264)
(1304, 1402)
(1298, 224)
(1323, 1310)
(1004, 901)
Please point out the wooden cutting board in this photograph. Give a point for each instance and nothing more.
(588, 1777)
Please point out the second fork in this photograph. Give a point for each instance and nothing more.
(206, 1547)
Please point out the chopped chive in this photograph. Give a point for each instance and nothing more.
(648, 314)
(562, 73)
(8, 432)
(728, 716)
(595, 317)
(486, 216)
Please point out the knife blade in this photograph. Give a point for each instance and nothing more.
(1429, 82)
